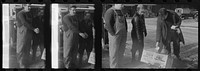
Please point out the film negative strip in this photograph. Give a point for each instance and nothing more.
(99, 34)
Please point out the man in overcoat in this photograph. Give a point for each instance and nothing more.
(168, 30)
(38, 39)
(24, 36)
(138, 32)
(86, 26)
(71, 38)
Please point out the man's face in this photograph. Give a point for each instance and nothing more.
(26, 7)
(164, 16)
(118, 6)
(141, 11)
(87, 16)
(72, 11)
(41, 12)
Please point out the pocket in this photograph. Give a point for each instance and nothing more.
(116, 32)
(67, 34)
(22, 29)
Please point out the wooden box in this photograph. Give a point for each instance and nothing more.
(150, 56)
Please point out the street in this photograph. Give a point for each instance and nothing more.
(189, 51)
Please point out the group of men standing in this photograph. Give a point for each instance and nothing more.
(29, 35)
(78, 36)
(168, 30)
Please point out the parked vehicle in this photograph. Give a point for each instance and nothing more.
(196, 16)
(185, 13)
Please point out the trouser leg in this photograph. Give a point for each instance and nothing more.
(113, 51)
(41, 49)
(168, 47)
(117, 45)
(81, 52)
(67, 62)
(60, 57)
(67, 57)
(134, 49)
(74, 55)
(70, 49)
(67, 49)
(41, 44)
(122, 49)
(106, 37)
(60, 51)
(24, 54)
(34, 48)
(176, 45)
(89, 48)
(140, 49)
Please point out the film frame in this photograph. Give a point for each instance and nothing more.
(98, 12)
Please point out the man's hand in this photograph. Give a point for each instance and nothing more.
(113, 34)
(36, 30)
(82, 35)
(173, 27)
(178, 30)
(145, 34)
(60, 30)
(86, 35)
(157, 47)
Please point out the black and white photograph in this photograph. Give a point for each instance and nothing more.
(73, 36)
(147, 36)
(23, 38)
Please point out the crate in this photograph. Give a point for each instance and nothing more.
(150, 56)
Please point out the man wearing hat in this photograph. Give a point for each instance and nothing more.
(168, 30)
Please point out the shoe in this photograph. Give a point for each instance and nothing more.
(172, 55)
(133, 60)
(178, 57)
(22, 66)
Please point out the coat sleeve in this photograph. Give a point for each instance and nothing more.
(60, 25)
(82, 26)
(70, 25)
(64, 25)
(144, 26)
(109, 18)
(126, 24)
(21, 16)
(133, 22)
(158, 30)
(178, 20)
